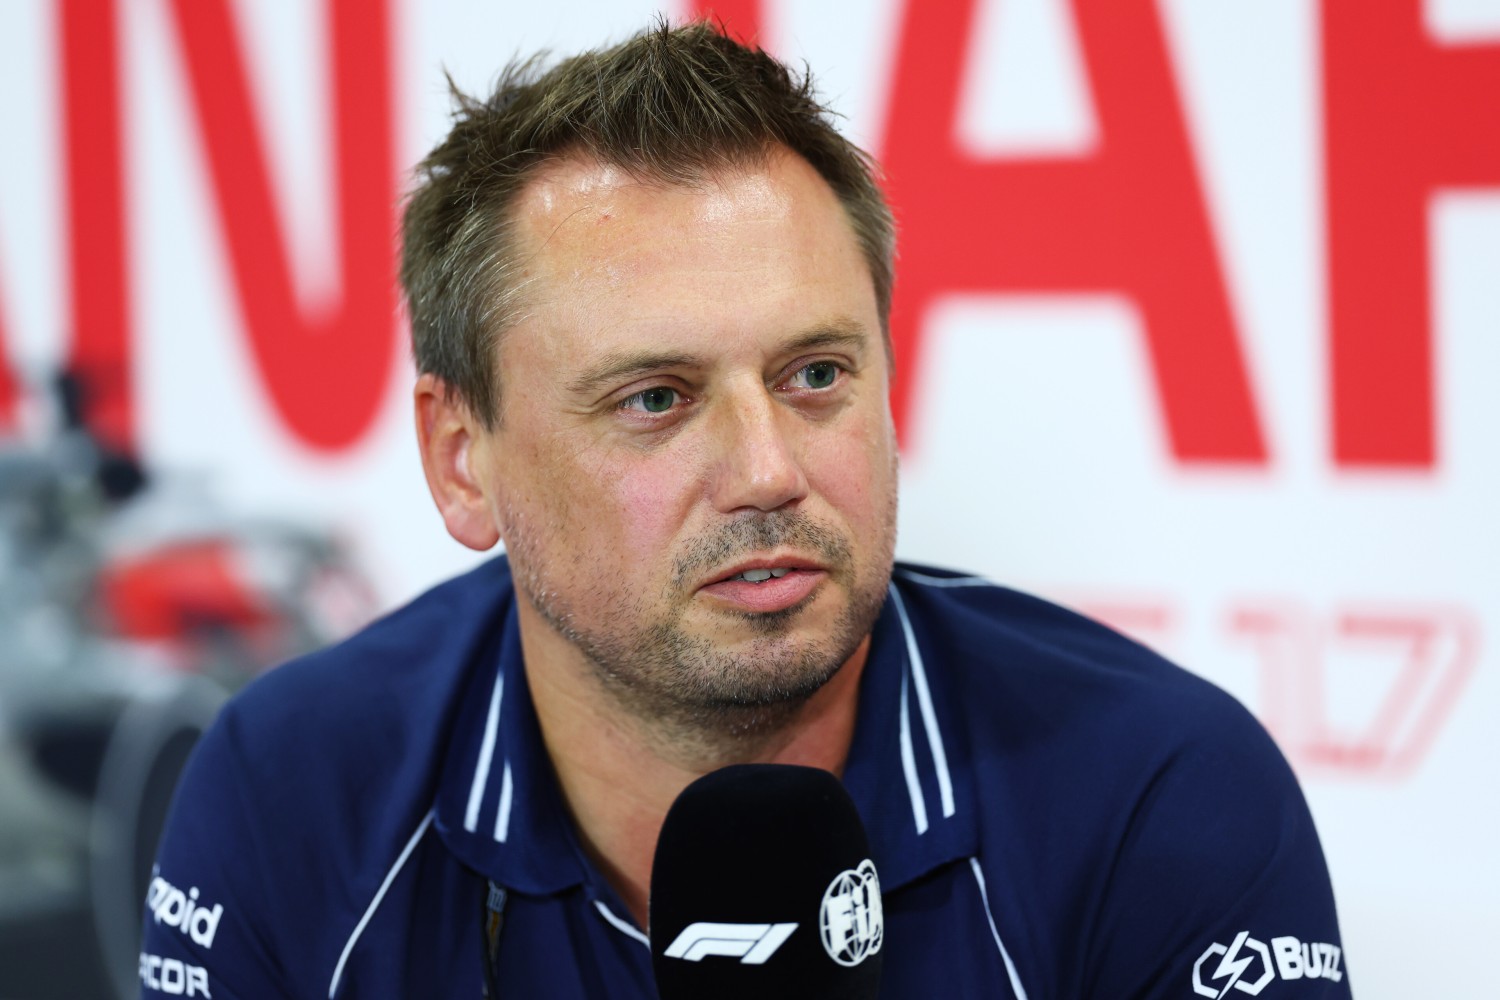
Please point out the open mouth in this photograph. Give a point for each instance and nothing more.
(760, 575)
(763, 589)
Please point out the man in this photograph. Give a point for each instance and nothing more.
(649, 292)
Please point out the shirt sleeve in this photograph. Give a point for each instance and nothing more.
(1220, 887)
(208, 928)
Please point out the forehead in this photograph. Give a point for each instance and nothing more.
(593, 228)
(769, 186)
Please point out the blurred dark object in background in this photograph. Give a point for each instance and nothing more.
(131, 606)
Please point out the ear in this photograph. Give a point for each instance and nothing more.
(448, 436)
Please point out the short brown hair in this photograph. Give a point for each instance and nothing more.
(667, 104)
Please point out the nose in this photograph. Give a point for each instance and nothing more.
(758, 465)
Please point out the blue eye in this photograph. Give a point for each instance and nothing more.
(658, 400)
(818, 375)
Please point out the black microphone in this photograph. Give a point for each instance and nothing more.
(763, 886)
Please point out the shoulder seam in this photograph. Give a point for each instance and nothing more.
(944, 581)
(984, 897)
(620, 924)
(390, 876)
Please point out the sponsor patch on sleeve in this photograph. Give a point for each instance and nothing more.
(185, 911)
(1247, 965)
(173, 977)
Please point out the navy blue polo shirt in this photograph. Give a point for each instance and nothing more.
(1054, 812)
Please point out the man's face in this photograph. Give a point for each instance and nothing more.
(694, 470)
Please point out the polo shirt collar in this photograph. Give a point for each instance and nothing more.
(499, 808)
(500, 811)
(909, 771)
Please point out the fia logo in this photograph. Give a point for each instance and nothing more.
(853, 918)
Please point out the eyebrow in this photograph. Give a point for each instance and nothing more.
(621, 366)
(839, 333)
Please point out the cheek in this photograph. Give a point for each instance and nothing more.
(646, 500)
(854, 474)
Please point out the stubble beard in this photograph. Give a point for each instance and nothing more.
(684, 688)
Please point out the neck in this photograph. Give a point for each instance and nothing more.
(619, 778)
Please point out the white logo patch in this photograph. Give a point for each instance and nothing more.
(853, 917)
(1312, 960)
(173, 977)
(752, 944)
(1246, 965)
(171, 906)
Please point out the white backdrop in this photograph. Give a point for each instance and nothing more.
(1352, 599)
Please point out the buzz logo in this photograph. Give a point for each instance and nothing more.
(752, 944)
(1311, 960)
(853, 917)
(1246, 964)
(171, 906)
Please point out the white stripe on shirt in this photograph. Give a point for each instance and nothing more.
(924, 702)
(486, 751)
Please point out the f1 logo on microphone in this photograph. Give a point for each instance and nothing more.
(752, 944)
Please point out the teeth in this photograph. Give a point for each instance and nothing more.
(762, 575)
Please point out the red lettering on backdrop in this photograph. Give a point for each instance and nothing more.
(1435, 650)
(1437, 655)
(1130, 218)
(739, 19)
(8, 389)
(101, 347)
(325, 372)
(1405, 117)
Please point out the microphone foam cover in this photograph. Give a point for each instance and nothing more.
(762, 886)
